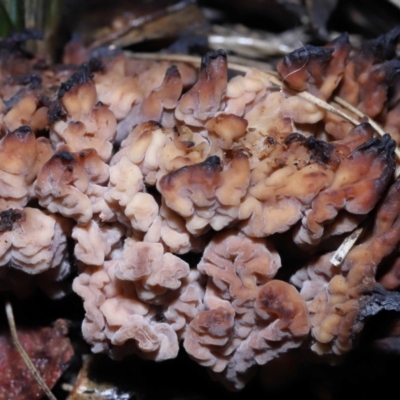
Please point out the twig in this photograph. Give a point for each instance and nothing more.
(24, 355)
(140, 21)
(345, 247)
(194, 60)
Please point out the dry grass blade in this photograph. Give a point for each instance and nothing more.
(24, 355)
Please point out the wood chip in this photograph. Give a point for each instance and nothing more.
(345, 247)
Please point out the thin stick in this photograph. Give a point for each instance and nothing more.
(140, 21)
(196, 61)
(345, 247)
(24, 355)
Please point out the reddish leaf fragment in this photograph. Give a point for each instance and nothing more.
(50, 351)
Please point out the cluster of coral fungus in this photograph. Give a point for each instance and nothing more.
(139, 166)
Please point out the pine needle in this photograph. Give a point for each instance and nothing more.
(24, 355)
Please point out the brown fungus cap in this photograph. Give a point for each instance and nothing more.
(228, 128)
(78, 94)
(33, 241)
(207, 193)
(153, 271)
(164, 97)
(316, 69)
(357, 186)
(21, 157)
(203, 100)
(70, 183)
